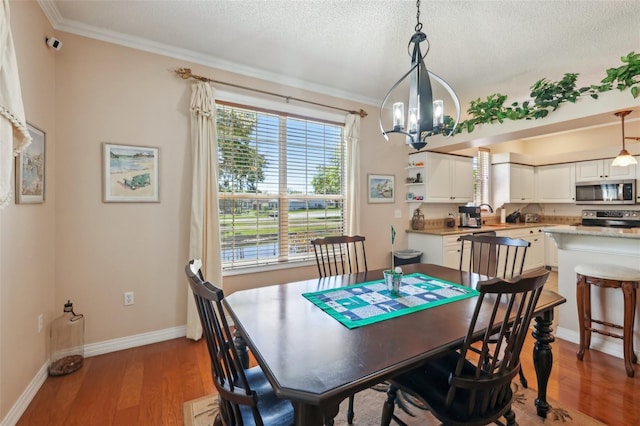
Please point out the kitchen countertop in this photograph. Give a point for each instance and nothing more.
(484, 228)
(597, 231)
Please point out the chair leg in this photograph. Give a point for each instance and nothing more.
(523, 379)
(350, 410)
(387, 408)
(510, 416)
(580, 290)
(627, 329)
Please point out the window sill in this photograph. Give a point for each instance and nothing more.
(267, 268)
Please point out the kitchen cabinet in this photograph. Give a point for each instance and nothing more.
(437, 249)
(446, 178)
(637, 157)
(536, 252)
(556, 183)
(513, 183)
(597, 170)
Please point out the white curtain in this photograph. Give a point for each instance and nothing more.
(352, 140)
(205, 224)
(14, 135)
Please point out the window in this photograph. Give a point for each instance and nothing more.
(481, 177)
(282, 183)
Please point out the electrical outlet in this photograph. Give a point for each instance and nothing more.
(40, 322)
(128, 298)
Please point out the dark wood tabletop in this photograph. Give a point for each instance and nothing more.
(313, 360)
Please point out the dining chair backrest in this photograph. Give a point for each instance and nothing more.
(339, 255)
(226, 368)
(493, 256)
(485, 369)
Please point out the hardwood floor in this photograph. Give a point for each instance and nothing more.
(147, 386)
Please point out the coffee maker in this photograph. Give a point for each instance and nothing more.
(470, 217)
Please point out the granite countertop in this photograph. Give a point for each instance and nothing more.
(484, 228)
(598, 231)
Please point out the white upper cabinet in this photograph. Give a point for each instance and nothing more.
(447, 178)
(596, 170)
(513, 183)
(556, 183)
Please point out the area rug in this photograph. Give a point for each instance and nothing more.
(368, 407)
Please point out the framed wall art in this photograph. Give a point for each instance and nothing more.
(130, 173)
(30, 164)
(381, 188)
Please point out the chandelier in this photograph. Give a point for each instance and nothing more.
(624, 158)
(425, 116)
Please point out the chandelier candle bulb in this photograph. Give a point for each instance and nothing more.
(398, 115)
(413, 120)
(438, 113)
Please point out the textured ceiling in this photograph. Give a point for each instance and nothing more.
(358, 49)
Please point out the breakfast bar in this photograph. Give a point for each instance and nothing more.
(593, 245)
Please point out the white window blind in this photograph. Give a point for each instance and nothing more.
(481, 177)
(282, 183)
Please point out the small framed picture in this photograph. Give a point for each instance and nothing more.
(130, 173)
(381, 188)
(30, 164)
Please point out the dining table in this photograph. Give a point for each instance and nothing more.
(315, 361)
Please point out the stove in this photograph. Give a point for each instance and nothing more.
(611, 218)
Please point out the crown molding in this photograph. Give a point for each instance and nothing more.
(59, 23)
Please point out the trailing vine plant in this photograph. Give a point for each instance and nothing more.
(547, 95)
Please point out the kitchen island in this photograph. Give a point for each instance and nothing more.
(589, 245)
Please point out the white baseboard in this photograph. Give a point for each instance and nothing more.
(90, 350)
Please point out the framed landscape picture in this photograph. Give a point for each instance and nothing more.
(130, 173)
(381, 188)
(30, 164)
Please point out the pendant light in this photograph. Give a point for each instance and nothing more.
(425, 117)
(624, 158)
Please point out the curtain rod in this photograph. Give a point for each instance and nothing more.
(185, 73)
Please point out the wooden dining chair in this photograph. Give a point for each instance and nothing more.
(245, 396)
(472, 385)
(494, 256)
(339, 255)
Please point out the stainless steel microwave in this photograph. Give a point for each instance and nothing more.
(606, 192)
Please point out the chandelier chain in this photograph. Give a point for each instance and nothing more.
(418, 24)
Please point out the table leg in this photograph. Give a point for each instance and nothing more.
(543, 358)
(241, 348)
(313, 415)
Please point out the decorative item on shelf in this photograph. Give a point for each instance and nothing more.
(425, 116)
(418, 178)
(417, 221)
(410, 196)
(411, 180)
(624, 158)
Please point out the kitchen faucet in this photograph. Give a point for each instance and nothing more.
(485, 204)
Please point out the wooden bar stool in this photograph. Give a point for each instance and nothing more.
(607, 276)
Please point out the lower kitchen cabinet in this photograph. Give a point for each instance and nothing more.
(535, 254)
(445, 250)
(438, 249)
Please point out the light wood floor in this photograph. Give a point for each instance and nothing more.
(147, 386)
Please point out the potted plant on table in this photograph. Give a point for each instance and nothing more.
(393, 276)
